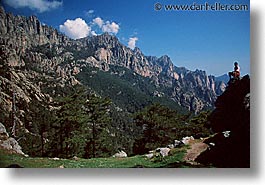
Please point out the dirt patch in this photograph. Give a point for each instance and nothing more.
(196, 149)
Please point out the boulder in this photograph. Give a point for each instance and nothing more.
(226, 133)
(9, 143)
(171, 146)
(150, 155)
(159, 152)
(186, 140)
(120, 154)
(75, 158)
(3, 134)
(177, 143)
(163, 151)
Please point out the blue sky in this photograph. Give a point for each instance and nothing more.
(206, 40)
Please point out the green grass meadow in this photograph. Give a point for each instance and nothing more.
(175, 160)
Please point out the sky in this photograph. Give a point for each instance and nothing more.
(205, 40)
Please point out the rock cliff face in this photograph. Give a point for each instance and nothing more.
(21, 32)
(193, 90)
(32, 54)
(230, 147)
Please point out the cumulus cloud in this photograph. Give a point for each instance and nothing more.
(75, 29)
(39, 5)
(110, 27)
(78, 28)
(98, 21)
(132, 42)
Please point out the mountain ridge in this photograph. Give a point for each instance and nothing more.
(25, 41)
(39, 66)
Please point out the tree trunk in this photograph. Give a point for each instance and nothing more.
(94, 143)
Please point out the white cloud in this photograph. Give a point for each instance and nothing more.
(78, 28)
(39, 5)
(98, 21)
(89, 13)
(111, 27)
(132, 42)
(75, 29)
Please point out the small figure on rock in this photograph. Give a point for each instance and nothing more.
(236, 73)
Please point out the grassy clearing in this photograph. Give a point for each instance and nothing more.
(174, 160)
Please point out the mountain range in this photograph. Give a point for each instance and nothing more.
(33, 50)
(39, 65)
(146, 100)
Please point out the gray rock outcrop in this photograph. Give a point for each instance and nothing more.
(9, 143)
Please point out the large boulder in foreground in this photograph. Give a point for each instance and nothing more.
(9, 143)
(230, 147)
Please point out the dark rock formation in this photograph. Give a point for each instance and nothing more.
(230, 147)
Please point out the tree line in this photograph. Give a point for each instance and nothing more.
(86, 125)
(73, 125)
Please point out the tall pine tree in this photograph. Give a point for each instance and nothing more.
(97, 109)
(68, 135)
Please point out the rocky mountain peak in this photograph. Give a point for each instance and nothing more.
(105, 40)
(22, 32)
(165, 61)
(2, 11)
(25, 40)
(137, 51)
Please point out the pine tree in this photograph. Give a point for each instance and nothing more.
(37, 123)
(97, 109)
(159, 126)
(82, 125)
(68, 134)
